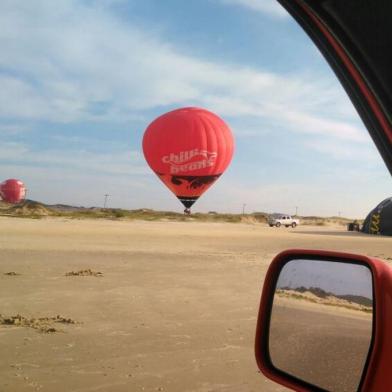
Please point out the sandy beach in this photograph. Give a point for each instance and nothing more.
(163, 306)
(326, 345)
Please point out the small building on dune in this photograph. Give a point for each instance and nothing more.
(379, 220)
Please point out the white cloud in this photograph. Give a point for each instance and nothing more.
(345, 151)
(348, 191)
(12, 151)
(269, 7)
(71, 63)
(312, 124)
(13, 128)
(115, 162)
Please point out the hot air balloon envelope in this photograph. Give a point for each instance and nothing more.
(188, 149)
(12, 191)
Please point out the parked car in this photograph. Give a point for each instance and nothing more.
(278, 220)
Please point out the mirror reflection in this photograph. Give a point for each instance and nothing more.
(321, 322)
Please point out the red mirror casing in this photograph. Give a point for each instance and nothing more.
(377, 373)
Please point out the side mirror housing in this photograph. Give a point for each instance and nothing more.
(325, 322)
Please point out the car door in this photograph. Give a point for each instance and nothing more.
(355, 37)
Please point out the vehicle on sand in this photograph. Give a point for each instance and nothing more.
(278, 220)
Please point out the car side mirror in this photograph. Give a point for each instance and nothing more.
(325, 322)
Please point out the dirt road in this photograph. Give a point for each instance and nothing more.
(174, 309)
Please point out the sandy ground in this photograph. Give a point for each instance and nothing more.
(324, 345)
(174, 310)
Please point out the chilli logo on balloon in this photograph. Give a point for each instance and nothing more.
(183, 161)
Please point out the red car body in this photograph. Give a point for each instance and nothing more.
(377, 373)
(355, 37)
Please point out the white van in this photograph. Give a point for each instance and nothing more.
(278, 220)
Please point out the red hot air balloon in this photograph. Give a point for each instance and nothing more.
(188, 149)
(12, 191)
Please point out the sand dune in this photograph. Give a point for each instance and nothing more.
(329, 300)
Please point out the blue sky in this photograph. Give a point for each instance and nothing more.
(332, 277)
(81, 80)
